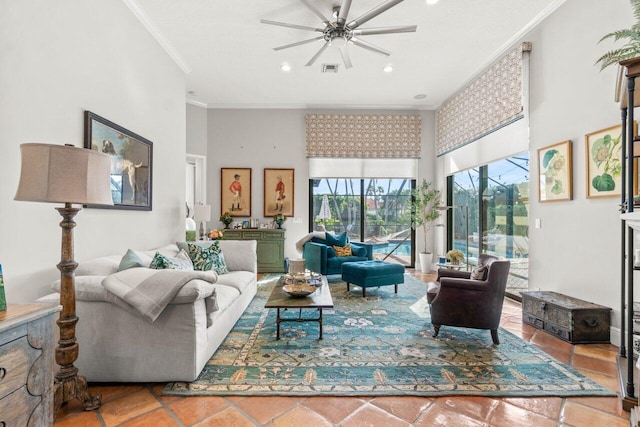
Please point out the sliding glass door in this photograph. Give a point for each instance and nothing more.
(373, 210)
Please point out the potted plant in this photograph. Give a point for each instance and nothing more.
(279, 219)
(454, 256)
(425, 201)
(226, 219)
(631, 49)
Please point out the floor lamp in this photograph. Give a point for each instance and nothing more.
(66, 174)
(466, 217)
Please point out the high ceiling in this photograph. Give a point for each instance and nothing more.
(230, 60)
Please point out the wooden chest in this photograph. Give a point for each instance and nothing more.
(567, 318)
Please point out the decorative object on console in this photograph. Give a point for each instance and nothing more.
(50, 173)
(279, 219)
(278, 191)
(131, 161)
(235, 191)
(555, 172)
(226, 218)
(202, 213)
(3, 298)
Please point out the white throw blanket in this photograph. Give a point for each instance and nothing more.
(300, 243)
(146, 291)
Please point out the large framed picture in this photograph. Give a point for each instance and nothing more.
(235, 191)
(131, 162)
(278, 192)
(603, 154)
(555, 172)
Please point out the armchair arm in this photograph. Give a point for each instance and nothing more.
(315, 255)
(464, 284)
(446, 272)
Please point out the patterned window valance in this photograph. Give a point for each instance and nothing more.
(363, 136)
(491, 101)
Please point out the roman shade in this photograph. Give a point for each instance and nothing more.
(491, 101)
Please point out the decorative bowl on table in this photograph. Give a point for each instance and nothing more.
(299, 290)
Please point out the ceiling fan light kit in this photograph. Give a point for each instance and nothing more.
(340, 33)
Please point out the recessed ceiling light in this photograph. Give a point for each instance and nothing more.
(388, 69)
(285, 67)
(432, 2)
(420, 96)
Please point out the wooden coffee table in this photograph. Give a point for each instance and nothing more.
(318, 300)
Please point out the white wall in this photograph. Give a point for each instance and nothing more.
(261, 139)
(196, 130)
(59, 59)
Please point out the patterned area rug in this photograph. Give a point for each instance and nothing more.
(380, 345)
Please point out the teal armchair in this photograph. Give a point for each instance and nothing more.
(321, 257)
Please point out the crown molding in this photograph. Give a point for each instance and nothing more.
(149, 25)
(421, 107)
(197, 103)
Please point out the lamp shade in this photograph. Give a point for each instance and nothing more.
(202, 212)
(64, 174)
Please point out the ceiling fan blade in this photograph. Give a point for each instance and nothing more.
(344, 52)
(370, 46)
(373, 13)
(344, 11)
(316, 12)
(287, 46)
(284, 24)
(385, 30)
(317, 55)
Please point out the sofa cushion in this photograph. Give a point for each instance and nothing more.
(343, 251)
(479, 272)
(335, 264)
(360, 251)
(339, 240)
(179, 262)
(207, 258)
(99, 266)
(133, 259)
(239, 280)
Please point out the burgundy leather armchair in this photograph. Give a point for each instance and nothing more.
(457, 300)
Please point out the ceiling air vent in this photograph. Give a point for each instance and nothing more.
(329, 68)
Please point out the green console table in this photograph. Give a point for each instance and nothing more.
(270, 246)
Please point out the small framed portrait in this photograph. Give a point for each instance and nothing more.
(278, 192)
(131, 162)
(555, 172)
(235, 191)
(245, 224)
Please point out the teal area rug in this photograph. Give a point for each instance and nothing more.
(380, 345)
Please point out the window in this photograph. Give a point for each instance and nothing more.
(497, 196)
(373, 210)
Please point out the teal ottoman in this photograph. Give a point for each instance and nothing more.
(372, 273)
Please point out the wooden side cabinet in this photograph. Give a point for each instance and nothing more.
(270, 247)
(27, 365)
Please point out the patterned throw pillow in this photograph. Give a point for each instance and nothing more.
(209, 258)
(343, 250)
(179, 262)
(479, 272)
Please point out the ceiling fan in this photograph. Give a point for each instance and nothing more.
(341, 32)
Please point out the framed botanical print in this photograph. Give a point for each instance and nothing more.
(278, 192)
(555, 172)
(131, 162)
(603, 154)
(235, 191)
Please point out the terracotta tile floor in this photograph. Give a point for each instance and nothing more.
(142, 404)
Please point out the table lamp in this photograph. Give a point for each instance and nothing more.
(202, 213)
(69, 175)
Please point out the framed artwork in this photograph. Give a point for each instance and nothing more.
(603, 154)
(278, 192)
(3, 299)
(235, 191)
(555, 172)
(131, 162)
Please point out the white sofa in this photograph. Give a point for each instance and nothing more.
(118, 346)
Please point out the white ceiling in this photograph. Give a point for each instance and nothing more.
(228, 56)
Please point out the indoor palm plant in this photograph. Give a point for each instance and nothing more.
(631, 49)
(425, 201)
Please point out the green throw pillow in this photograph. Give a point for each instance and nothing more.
(182, 261)
(131, 260)
(207, 258)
